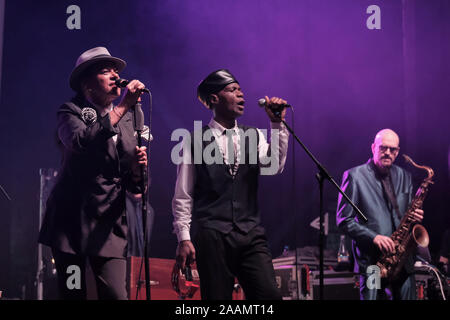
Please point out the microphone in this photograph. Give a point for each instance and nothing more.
(138, 117)
(262, 103)
(122, 83)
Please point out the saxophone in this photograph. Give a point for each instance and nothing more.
(409, 234)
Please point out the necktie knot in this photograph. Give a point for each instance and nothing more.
(229, 132)
(232, 151)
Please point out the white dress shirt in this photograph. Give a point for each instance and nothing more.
(182, 202)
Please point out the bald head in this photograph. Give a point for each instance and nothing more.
(387, 134)
(385, 148)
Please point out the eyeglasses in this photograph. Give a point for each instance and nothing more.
(392, 150)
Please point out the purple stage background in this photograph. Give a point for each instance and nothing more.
(346, 82)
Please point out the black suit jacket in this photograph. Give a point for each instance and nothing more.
(85, 212)
(363, 186)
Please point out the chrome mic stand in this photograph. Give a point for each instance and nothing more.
(5, 193)
(139, 127)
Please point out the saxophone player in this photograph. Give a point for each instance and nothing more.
(383, 191)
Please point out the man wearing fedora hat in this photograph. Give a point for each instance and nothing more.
(221, 197)
(85, 215)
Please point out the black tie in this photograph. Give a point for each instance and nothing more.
(390, 193)
(233, 166)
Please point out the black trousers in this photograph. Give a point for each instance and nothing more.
(222, 257)
(109, 274)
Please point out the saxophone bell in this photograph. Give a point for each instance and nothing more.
(420, 235)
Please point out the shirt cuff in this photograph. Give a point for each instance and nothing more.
(184, 235)
(372, 234)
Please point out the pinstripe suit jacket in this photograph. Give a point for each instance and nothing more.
(85, 212)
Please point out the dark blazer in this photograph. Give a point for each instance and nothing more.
(363, 186)
(85, 212)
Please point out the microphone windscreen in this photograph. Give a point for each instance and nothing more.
(138, 117)
(121, 82)
(262, 102)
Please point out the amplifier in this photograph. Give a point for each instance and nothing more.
(292, 281)
(336, 285)
(428, 286)
(307, 256)
(300, 282)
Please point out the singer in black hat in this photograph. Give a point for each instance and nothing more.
(220, 197)
(85, 218)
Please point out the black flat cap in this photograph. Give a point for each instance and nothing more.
(213, 83)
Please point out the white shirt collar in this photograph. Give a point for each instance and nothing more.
(219, 129)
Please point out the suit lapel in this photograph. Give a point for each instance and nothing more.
(124, 127)
(373, 179)
(126, 138)
(395, 180)
(112, 151)
(112, 147)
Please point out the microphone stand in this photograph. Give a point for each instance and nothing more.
(5, 193)
(321, 176)
(139, 127)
